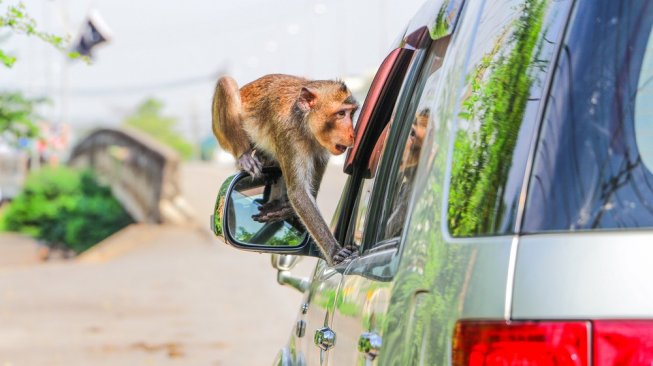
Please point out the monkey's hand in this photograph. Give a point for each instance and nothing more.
(251, 163)
(345, 253)
(276, 210)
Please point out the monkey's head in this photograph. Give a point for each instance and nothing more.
(329, 108)
(418, 130)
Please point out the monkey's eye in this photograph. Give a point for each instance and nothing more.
(341, 114)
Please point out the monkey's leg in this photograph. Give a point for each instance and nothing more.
(251, 163)
(227, 123)
(276, 210)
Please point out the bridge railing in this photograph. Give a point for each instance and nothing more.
(143, 173)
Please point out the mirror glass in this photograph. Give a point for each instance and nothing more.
(243, 212)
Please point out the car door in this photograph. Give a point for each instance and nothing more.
(377, 222)
(311, 339)
(459, 245)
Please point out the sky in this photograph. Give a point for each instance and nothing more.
(173, 51)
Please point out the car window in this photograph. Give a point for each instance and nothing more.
(366, 191)
(401, 163)
(497, 114)
(384, 198)
(592, 168)
(363, 212)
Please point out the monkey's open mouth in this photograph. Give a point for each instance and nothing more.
(341, 148)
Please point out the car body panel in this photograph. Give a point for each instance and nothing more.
(361, 306)
(594, 275)
(442, 279)
(320, 303)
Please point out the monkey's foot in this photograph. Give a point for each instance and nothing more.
(345, 253)
(276, 210)
(251, 163)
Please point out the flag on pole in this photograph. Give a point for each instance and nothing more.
(95, 31)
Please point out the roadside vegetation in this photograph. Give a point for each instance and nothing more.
(65, 209)
(149, 118)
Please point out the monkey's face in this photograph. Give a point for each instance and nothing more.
(418, 130)
(330, 108)
(334, 128)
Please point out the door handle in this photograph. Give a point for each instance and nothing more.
(325, 338)
(369, 344)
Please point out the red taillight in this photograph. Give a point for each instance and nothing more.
(623, 343)
(486, 343)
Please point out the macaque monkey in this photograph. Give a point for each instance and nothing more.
(296, 124)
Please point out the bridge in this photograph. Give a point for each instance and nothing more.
(143, 173)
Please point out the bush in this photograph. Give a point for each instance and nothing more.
(65, 208)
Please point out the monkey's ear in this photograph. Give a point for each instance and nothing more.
(307, 99)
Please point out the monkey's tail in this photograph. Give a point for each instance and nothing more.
(226, 113)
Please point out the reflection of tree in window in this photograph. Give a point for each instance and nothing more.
(490, 119)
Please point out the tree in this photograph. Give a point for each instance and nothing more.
(17, 21)
(17, 117)
(148, 118)
(16, 111)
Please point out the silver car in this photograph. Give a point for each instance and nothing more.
(500, 193)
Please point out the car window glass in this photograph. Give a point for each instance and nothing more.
(362, 209)
(593, 160)
(405, 156)
(365, 195)
(644, 107)
(497, 114)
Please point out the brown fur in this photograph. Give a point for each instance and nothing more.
(295, 122)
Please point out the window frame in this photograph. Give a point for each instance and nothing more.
(400, 125)
(361, 171)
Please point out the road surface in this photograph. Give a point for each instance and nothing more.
(151, 295)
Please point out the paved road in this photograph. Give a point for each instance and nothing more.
(150, 296)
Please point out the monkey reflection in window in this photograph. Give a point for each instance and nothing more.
(406, 175)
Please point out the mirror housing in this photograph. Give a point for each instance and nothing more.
(284, 262)
(238, 200)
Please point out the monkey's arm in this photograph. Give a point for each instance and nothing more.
(306, 209)
(302, 200)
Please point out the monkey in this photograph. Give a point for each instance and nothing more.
(296, 124)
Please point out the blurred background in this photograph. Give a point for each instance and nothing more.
(109, 171)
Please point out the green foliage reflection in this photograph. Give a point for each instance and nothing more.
(494, 109)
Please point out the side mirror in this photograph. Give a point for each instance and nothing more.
(239, 199)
